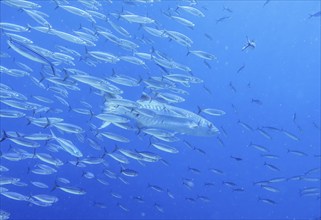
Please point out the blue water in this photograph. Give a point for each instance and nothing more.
(282, 71)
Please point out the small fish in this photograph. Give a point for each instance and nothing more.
(217, 171)
(270, 156)
(264, 133)
(208, 36)
(257, 101)
(99, 205)
(313, 170)
(277, 180)
(209, 184)
(222, 19)
(190, 199)
(227, 9)
(200, 150)
(250, 44)
(194, 170)
(241, 68)
(158, 207)
(191, 10)
(294, 117)
(15, 196)
(183, 21)
(207, 90)
(244, 125)
(202, 54)
(139, 199)
(236, 158)
(122, 207)
(232, 87)
(272, 128)
(203, 198)
(133, 18)
(156, 188)
(115, 137)
(259, 147)
(270, 188)
(46, 198)
(271, 167)
(207, 64)
(266, 2)
(296, 152)
(268, 201)
(220, 141)
(188, 183)
(129, 172)
(229, 184)
(239, 189)
(290, 135)
(170, 195)
(317, 14)
(212, 111)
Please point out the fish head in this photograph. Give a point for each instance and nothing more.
(205, 128)
(211, 129)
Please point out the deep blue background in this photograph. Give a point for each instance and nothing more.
(284, 73)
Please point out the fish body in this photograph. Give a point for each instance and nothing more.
(168, 117)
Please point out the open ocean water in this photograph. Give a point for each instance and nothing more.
(158, 109)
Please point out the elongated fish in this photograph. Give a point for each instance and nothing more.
(167, 117)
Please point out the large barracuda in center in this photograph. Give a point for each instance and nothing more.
(150, 113)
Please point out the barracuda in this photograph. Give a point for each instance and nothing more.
(166, 117)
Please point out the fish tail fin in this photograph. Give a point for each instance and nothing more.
(118, 16)
(95, 131)
(140, 79)
(33, 112)
(4, 136)
(122, 168)
(66, 74)
(150, 142)
(86, 50)
(140, 26)
(34, 153)
(199, 109)
(55, 186)
(115, 149)
(91, 114)
(138, 130)
(153, 50)
(104, 153)
(57, 4)
(48, 123)
(53, 136)
(42, 77)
